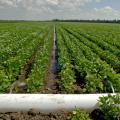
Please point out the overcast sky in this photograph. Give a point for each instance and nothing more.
(59, 9)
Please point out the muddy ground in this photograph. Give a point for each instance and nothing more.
(51, 80)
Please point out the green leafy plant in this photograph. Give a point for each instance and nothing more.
(93, 84)
(78, 114)
(67, 78)
(110, 106)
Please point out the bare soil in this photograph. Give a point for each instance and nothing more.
(31, 115)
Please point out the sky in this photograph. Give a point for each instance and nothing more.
(59, 9)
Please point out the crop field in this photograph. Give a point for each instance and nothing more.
(59, 57)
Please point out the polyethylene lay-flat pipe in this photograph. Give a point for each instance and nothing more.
(48, 102)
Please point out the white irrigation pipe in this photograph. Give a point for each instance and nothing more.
(48, 102)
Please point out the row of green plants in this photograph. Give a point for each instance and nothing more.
(104, 55)
(36, 79)
(97, 73)
(108, 33)
(20, 36)
(66, 73)
(102, 70)
(81, 58)
(83, 66)
(100, 42)
(16, 50)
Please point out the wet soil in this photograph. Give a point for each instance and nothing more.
(51, 75)
(31, 115)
